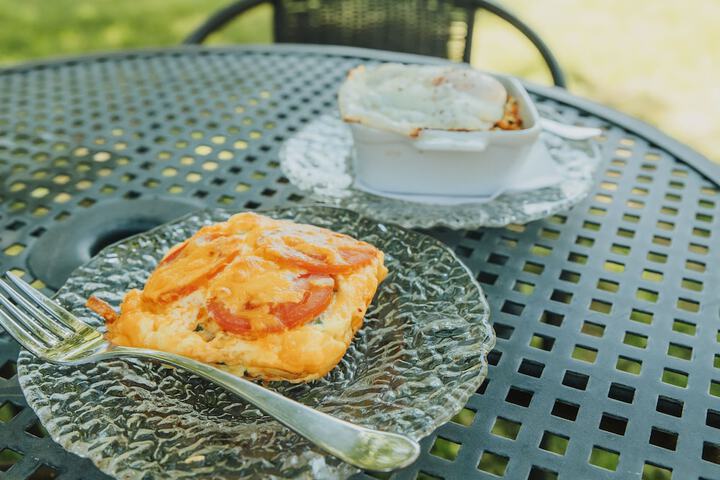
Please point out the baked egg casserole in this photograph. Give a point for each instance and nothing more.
(407, 99)
(266, 298)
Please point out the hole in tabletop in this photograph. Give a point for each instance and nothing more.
(635, 340)
(519, 396)
(549, 233)
(534, 268)
(37, 430)
(8, 369)
(503, 331)
(531, 368)
(604, 458)
(647, 295)
(43, 472)
(679, 351)
(600, 306)
(614, 267)
(653, 471)
(663, 438)
(551, 318)
(711, 452)
(464, 417)
(577, 258)
(641, 316)
(561, 296)
(569, 276)
(629, 365)
(613, 424)
(15, 225)
(593, 329)
(526, 288)
(425, 476)
(652, 275)
(688, 305)
(542, 342)
(8, 411)
(714, 389)
(566, 410)
(497, 259)
(554, 443)
(8, 458)
(512, 308)
(575, 380)
(712, 419)
(675, 377)
(669, 406)
(624, 232)
(608, 285)
(584, 354)
(698, 248)
(592, 226)
(621, 393)
(494, 357)
(695, 266)
(493, 463)
(506, 428)
(541, 473)
(540, 250)
(486, 277)
(662, 241)
(701, 232)
(445, 448)
(483, 387)
(618, 249)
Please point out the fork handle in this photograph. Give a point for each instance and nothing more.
(359, 446)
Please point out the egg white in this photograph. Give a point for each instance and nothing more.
(409, 98)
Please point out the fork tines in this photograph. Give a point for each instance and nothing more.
(35, 321)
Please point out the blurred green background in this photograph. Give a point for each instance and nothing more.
(654, 59)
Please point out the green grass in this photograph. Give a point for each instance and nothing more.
(653, 60)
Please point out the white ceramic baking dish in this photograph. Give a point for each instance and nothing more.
(443, 162)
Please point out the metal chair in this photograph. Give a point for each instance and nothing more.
(428, 27)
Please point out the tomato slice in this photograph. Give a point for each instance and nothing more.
(317, 296)
(316, 250)
(260, 320)
(226, 319)
(188, 266)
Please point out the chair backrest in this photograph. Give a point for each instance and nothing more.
(429, 27)
(439, 28)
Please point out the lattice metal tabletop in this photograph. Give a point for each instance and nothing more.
(608, 320)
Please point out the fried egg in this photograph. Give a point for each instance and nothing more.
(266, 298)
(407, 98)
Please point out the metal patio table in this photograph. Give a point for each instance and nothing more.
(607, 363)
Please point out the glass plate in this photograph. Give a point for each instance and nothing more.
(317, 161)
(418, 358)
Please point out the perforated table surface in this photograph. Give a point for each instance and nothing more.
(607, 362)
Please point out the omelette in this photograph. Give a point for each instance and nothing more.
(270, 299)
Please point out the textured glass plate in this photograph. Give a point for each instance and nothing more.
(317, 160)
(418, 358)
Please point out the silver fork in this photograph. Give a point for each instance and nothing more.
(53, 334)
